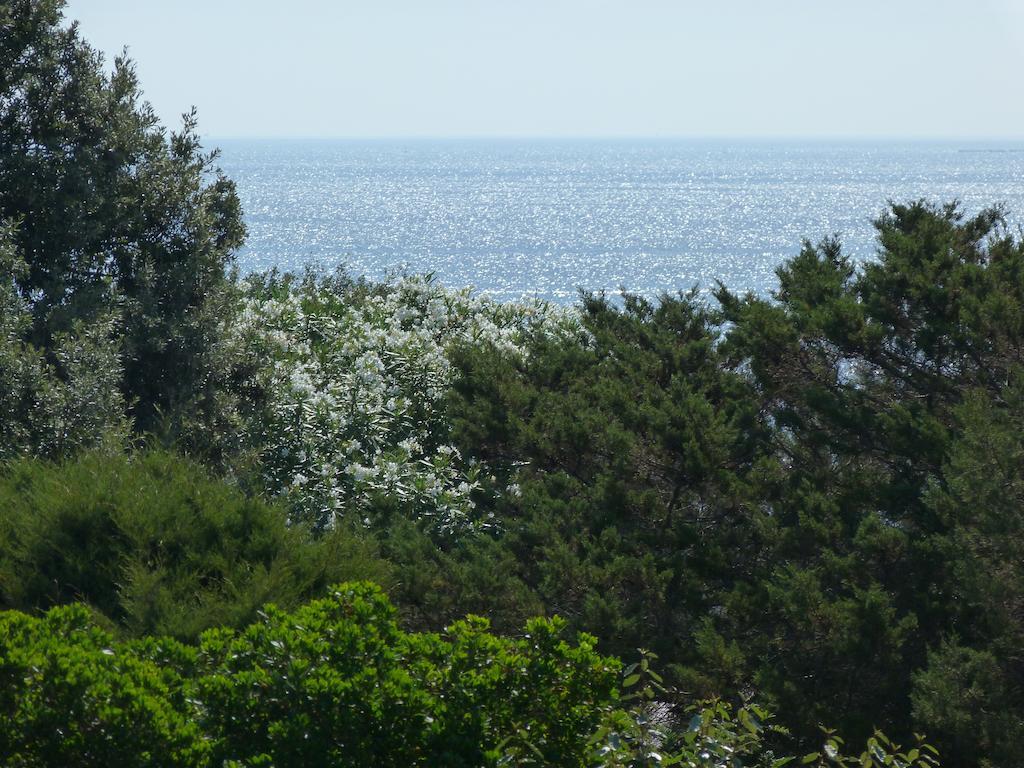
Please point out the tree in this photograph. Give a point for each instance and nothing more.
(155, 545)
(335, 683)
(972, 689)
(53, 407)
(113, 214)
(633, 454)
(890, 386)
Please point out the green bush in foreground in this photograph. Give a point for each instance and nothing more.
(337, 683)
(71, 697)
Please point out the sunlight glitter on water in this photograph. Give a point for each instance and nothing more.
(545, 218)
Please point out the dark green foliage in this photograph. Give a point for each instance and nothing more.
(114, 216)
(868, 376)
(633, 456)
(435, 586)
(157, 546)
(57, 404)
(973, 685)
(818, 507)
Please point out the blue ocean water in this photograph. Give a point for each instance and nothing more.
(548, 217)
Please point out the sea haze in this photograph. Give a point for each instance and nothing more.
(545, 218)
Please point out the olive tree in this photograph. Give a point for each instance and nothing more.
(114, 215)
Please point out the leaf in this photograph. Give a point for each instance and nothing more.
(747, 721)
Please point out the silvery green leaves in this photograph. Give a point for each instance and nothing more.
(55, 404)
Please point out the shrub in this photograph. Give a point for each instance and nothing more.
(156, 545)
(351, 419)
(335, 683)
(73, 697)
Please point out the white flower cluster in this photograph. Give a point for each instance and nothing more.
(356, 380)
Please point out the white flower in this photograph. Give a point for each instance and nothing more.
(343, 380)
(301, 382)
(359, 472)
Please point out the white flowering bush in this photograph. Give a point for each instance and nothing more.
(354, 378)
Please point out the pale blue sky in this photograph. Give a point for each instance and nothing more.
(892, 68)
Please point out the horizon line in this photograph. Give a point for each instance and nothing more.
(822, 137)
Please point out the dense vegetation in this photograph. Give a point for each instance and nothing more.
(156, 546)
(338, 683)
(810, 503)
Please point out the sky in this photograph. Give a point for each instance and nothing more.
(575, 68)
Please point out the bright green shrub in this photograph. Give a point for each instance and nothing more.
(336, 683)
(157, 546)
(71, 697)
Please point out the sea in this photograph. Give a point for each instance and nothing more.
(548, 218)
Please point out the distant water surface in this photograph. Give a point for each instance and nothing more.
(546, 218)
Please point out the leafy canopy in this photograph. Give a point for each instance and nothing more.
(114, 216)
